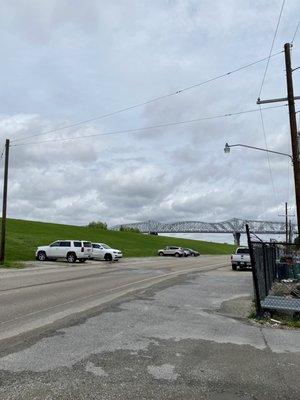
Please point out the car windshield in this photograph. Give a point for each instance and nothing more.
(105, 246)
(242, 251)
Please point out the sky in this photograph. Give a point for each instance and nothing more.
(68, 61)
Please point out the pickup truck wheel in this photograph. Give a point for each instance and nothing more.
(108, 257)
(234, 267)
(161, 253)
(41, 256)
(177, 255)
(71, 257)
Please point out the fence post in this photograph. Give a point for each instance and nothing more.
(274, 250)
(254, 274)
(266, 270)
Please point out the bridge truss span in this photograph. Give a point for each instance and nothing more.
(235, 226)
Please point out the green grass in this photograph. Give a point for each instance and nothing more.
(24, 236)
(283, 318)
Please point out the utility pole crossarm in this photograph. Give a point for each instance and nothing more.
(259, 101)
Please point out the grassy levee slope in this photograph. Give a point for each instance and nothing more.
(23, 237)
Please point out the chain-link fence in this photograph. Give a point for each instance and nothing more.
(276, 274)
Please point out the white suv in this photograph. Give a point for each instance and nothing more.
(102, 251)
(72, 250)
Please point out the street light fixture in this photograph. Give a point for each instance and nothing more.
(228, 146)
(227, 150)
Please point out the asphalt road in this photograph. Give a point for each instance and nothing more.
(177, 332)
(47, 292)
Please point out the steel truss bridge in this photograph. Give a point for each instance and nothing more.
(235, 226)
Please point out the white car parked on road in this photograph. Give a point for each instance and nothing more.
(102, 251)
(72, 250)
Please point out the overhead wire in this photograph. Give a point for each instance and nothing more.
(289, 173)
(268, 157)
(82, 122)
(295, 33)
(136, 130)
(291, 193)
(260, 108)
(271, 49)
(2, 153)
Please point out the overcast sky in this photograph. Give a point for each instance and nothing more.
(68, 60)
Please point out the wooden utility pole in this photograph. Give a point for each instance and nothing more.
(4, 205)
(293, 125)
(287, 223)
(293, 128)
(290, 232)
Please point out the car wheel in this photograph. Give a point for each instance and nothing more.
(41, 256)
(234, 268)
(161, 253)
(108, 257)
(177, 255)
(71, 257)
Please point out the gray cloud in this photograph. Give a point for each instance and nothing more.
(65, 61)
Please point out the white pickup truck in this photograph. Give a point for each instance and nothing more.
(241, 259)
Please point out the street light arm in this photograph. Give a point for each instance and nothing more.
(227, 146)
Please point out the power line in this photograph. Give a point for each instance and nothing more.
(288, 182)
(2, 153)
(136, 130)
(290, 193)
(38, 133)
(260, 109)
(295, 33)
(289, 197)
(271, 49)
(268, 157)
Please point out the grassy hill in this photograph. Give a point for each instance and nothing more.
(24, 236)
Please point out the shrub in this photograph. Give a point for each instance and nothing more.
(98, 225)
(128, 229)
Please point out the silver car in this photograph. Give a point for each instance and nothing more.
(171, 251)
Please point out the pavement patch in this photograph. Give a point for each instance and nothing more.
(165, 372)
(98, 371)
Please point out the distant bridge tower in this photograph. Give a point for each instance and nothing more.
(237, 238)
